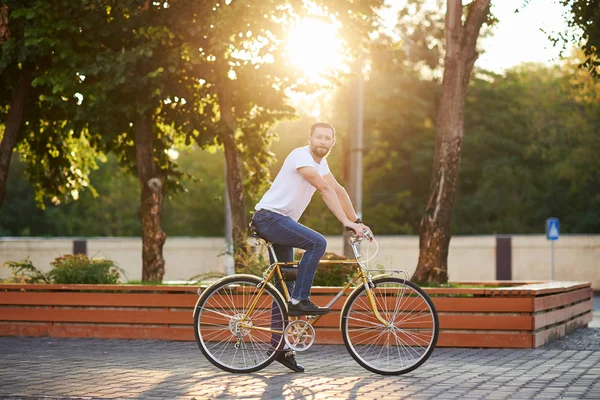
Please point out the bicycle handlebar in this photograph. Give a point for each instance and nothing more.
(367, 235)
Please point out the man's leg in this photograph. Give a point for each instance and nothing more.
(286, 357)
(315, 245)
(284, 254)
(286, 232)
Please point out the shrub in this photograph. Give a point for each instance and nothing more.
(334, 274)
(24, 272)
(255, 262)
(79, 268)
(206, 278)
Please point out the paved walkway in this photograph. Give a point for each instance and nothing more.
(94, 368)
(33, 368)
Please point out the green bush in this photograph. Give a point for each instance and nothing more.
(333, 274)
(255, 262)
(67, 269)
(25, 272)
(81, 269)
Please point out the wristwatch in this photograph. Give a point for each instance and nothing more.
(358, 221)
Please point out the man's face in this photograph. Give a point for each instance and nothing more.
(321, 141)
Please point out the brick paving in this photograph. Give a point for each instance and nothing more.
(135, 369)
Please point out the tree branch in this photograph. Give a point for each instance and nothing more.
(453, 27)
(475, 19)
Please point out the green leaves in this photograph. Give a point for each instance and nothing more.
(585, 18)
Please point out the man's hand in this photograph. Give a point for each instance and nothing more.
(366, 228)
(357, 228)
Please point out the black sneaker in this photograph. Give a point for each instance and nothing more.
(288, 359)
(306, 307)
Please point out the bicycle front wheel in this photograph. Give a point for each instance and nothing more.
(228, 334)
(409, 334)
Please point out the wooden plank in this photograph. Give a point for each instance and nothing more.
(163, 317)
(579, 308)
(508, 292)
(538, 287)
(459, 321)
(579, 322)
(328, 336)
(324, 335)
(549, 318)
(491, 304)
(437, 291)
(487, 340)
(548, 335)
(99, 299)
(95, 331)
(554, 287)
(328, 290)
(497, 283)
(559, 300)
(486, 322)
(106, 288)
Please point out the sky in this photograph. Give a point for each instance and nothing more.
(517, 37)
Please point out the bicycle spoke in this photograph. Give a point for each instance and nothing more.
(225, 328)
(408, 339)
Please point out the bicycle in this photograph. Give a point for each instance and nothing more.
(389, 325)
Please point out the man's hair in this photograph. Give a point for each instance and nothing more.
(321, 125)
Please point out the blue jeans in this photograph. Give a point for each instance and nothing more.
(285, 234)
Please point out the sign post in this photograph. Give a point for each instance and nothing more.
(552, 234)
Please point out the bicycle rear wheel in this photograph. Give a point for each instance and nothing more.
(409, 339)
(230, 337)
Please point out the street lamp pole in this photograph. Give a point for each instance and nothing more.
(355, 146)
(229, 261)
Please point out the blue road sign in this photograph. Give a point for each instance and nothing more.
(552, 228)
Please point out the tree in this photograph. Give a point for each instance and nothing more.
(37, 101)
(247, 83)
(148, 74)
(251, 79)
(15, 107)
(141, 94)
(461, 54)
(585, 17)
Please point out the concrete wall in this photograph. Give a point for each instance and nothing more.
(577, 257)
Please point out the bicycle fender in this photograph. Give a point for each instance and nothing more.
(382, 275)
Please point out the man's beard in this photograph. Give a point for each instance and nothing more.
(321, 151)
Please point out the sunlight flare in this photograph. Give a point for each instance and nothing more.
(314, 47)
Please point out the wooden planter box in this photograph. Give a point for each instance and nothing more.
(510, 315)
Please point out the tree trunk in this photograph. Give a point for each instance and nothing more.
(235, 184)
(434, 235)
(4, 29)
(12, 127)
(153, 237)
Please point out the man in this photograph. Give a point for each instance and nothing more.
(304, 171)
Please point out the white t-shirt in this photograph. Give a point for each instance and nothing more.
(290, 193)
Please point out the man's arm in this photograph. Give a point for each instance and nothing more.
(342, 196)
(330, 197)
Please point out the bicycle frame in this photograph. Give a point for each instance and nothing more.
(363, 275)
(389, 325)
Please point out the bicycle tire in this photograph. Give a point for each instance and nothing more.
(392, 350)
(218, 334)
